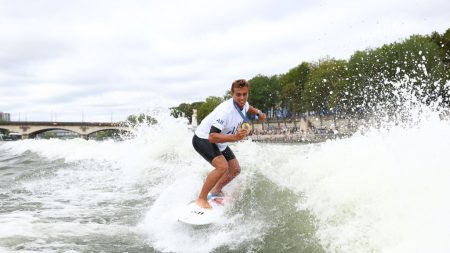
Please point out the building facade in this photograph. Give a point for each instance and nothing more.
(4, 116)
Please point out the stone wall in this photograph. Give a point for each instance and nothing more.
(306, 129)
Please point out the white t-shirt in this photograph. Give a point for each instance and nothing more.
(226, 118)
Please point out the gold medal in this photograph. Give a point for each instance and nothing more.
(246, 126)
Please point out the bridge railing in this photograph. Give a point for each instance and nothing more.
(49, 123)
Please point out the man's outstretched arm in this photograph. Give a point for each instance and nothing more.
(259, 113)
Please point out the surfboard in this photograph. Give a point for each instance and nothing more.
(193, 214)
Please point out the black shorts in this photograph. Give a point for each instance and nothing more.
(210, 150)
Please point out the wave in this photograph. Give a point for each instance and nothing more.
(381, 190)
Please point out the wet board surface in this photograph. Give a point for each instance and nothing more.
(195, 215)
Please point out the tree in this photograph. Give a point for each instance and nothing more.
(108, 133)
(419, 65)
(265, 92)
(207, 107)
(185, 110)
(377, 75)
(443, 42)
(292, 86)
(182, 110)
(323, 89)
(141, 119)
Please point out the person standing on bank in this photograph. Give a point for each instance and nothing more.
(226, 123)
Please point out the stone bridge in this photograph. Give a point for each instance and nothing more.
(30, 129)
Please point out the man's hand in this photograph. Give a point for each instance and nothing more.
(240, 134)
(261, 117)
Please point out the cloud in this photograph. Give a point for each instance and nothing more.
(113, 57)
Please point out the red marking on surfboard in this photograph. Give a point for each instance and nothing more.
(219, 201)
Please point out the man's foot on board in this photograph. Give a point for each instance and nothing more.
(203, 203)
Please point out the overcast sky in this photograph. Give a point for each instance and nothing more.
(99, 60)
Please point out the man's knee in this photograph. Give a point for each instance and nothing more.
(234, 167)
(220, 164)
(223, 168)
(235, 171)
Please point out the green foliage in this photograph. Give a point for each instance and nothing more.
(141, 119)
(182, 110)
(185, 110)
(207, 107)
(265, 92)
(292, 86)
(324, 87)
(419, 65)
(376, 75)
(106, 134)
(443, 42)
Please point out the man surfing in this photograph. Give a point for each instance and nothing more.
(226, 123)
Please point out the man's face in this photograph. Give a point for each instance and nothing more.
(240, 96)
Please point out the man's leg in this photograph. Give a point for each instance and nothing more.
(220, 168)
(233, 170)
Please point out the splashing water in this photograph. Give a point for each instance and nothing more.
(382, 190)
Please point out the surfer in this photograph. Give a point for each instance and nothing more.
(226, 123)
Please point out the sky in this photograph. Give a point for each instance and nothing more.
(102, 60)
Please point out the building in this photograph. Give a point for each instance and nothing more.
(4, 116)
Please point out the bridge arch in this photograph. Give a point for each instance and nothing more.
(38, 130)
(9, 129)
(43, 130)
(30, 129)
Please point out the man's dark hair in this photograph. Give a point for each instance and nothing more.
(239, 84)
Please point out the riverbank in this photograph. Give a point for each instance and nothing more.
(296, 138)
(312, 129)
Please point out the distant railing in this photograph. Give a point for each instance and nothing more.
(49, 123)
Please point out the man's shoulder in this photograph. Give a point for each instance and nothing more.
(226, 106)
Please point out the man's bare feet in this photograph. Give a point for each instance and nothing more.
(203, 203)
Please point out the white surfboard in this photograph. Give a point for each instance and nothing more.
(195, 215)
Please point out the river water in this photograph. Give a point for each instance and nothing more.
(381, 190)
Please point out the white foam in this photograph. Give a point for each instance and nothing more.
(378, 191)
(384, 191)
(159, 164)
(169, 235)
